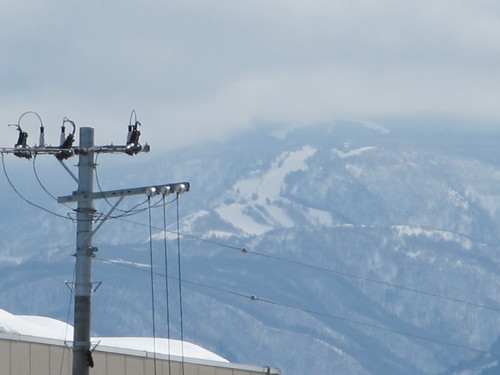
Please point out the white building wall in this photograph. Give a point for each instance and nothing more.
(23, 355)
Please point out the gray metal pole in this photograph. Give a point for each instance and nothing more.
(84, 254)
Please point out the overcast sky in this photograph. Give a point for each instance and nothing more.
(196, 70)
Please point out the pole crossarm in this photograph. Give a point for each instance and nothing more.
(84, 196)
(47, 150)
(53, 150)
(165, 189)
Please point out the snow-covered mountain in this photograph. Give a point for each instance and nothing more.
(336, 249)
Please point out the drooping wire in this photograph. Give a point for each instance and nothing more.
(133, 114)
(40, 182)
(370, 325)
(129, 212)
(30, 113)
(25, 199)
(253, 297)
(70, 303)
(347, 320)
(134, 211)
(98, 182)
(152, 283)
(363, 278)
(179, 266)
(167, 297)
(330, 270)
(43, 186)
(125, 213)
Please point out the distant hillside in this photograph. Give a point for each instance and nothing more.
(334, 249)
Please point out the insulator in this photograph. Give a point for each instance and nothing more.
(129, 134)
(151, 191)
(134, 137)
(133, 149)
(65, 154)
(68, 142)
(41, 142)
(22, 140)
(166, 190)
(90, 360)
(63, 135)
(22, 144)
(180, 188)
(133, 145)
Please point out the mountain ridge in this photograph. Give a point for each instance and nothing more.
(332, 219)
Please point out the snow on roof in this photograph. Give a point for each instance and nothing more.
(37, 326)
(161, 346)
(49, 328)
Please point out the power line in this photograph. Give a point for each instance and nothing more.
(126, 213)
(42, 185)
(333, 271)
(384, 283)
(134, 210)
(369, 325)
(68, 317)
(179, 265)
(253, 297)
(152, 284)
(347, 320)
(24, 198)
(244, 250)
(167, 294)
(84, 196)
(327, 270)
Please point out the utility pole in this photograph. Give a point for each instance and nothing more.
(85, 213)
(82, 356)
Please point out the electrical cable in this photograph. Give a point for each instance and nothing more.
(167, 297)
(244, 250)
(374, 326)
(336, 317)
(98, 182)
(132, 211)
(43, 186)
(129, 212)
(180, 281)
(70, 303)
(383, 283)
(347, 320)
(133, 114)
(25, 199)
(126, 213)
(28, 113)
(330, 270)
(313, 312)
(152, 284)
(39, 181)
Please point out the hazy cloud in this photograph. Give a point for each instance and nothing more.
(197, 69)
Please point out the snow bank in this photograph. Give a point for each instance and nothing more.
(161, 346)
(40, 326)
(37, 326)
